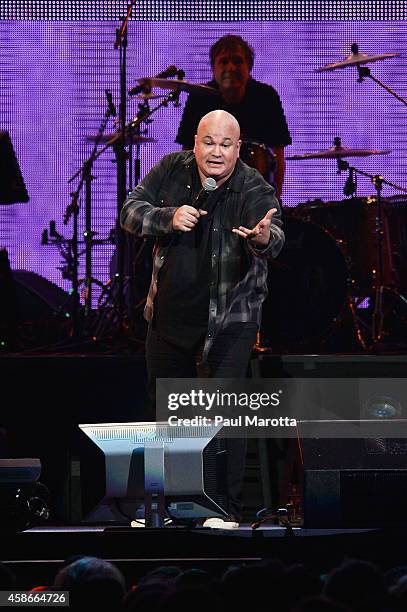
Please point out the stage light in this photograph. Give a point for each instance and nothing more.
(386, 408)
(383, 407)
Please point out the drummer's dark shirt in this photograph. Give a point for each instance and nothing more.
(260, 115)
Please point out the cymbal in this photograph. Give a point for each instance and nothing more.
(337, 152)
(356, 59)
(134, 139)
(178, 85)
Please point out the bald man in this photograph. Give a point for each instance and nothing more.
(209, 276)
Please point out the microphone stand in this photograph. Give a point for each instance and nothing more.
(73, 209)
(120, 153)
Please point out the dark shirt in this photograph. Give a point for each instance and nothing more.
(182, 304)
(238, 270)
(260, 115)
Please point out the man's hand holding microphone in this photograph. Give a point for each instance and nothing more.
(186, 216)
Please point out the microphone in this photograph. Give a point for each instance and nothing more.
(112, 108)
(208, 186)
(146, 88)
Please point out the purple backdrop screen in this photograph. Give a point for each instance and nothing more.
(54, 73)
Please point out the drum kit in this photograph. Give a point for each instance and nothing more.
(340, 262)
(341, 259)
(337, 254)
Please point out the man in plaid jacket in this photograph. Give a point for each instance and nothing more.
(209, 275)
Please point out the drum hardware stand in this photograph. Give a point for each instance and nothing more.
(86, 178)
(364, 73)
(52, 237)
(360, 337)
(114, 294)
(350, 187)
(64, 246)
(134, 179)
(377, 324)
(350, 307)
(355, 60)
(120, 43)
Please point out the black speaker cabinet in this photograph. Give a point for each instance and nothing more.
(355, 498)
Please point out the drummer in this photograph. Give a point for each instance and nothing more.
(256, 106)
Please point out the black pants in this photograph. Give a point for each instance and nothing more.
(228, 358)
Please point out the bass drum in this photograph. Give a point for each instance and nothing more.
(308, 286)
(353, 222)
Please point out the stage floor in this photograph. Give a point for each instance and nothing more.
(50, 395)
(36, 554)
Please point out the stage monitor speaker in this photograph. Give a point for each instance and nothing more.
(354, 482)
(355, 498)
(36, 312)
(39, 299)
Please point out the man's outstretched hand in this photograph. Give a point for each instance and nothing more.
(260, 234)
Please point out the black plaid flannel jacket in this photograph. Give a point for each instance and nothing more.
(239, 270)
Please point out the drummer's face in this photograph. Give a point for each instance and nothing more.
(231, 71)
(217, 146)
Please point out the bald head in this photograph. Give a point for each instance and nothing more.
(217, 145)
(220, 119)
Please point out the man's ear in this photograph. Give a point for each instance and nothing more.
(194, 143)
